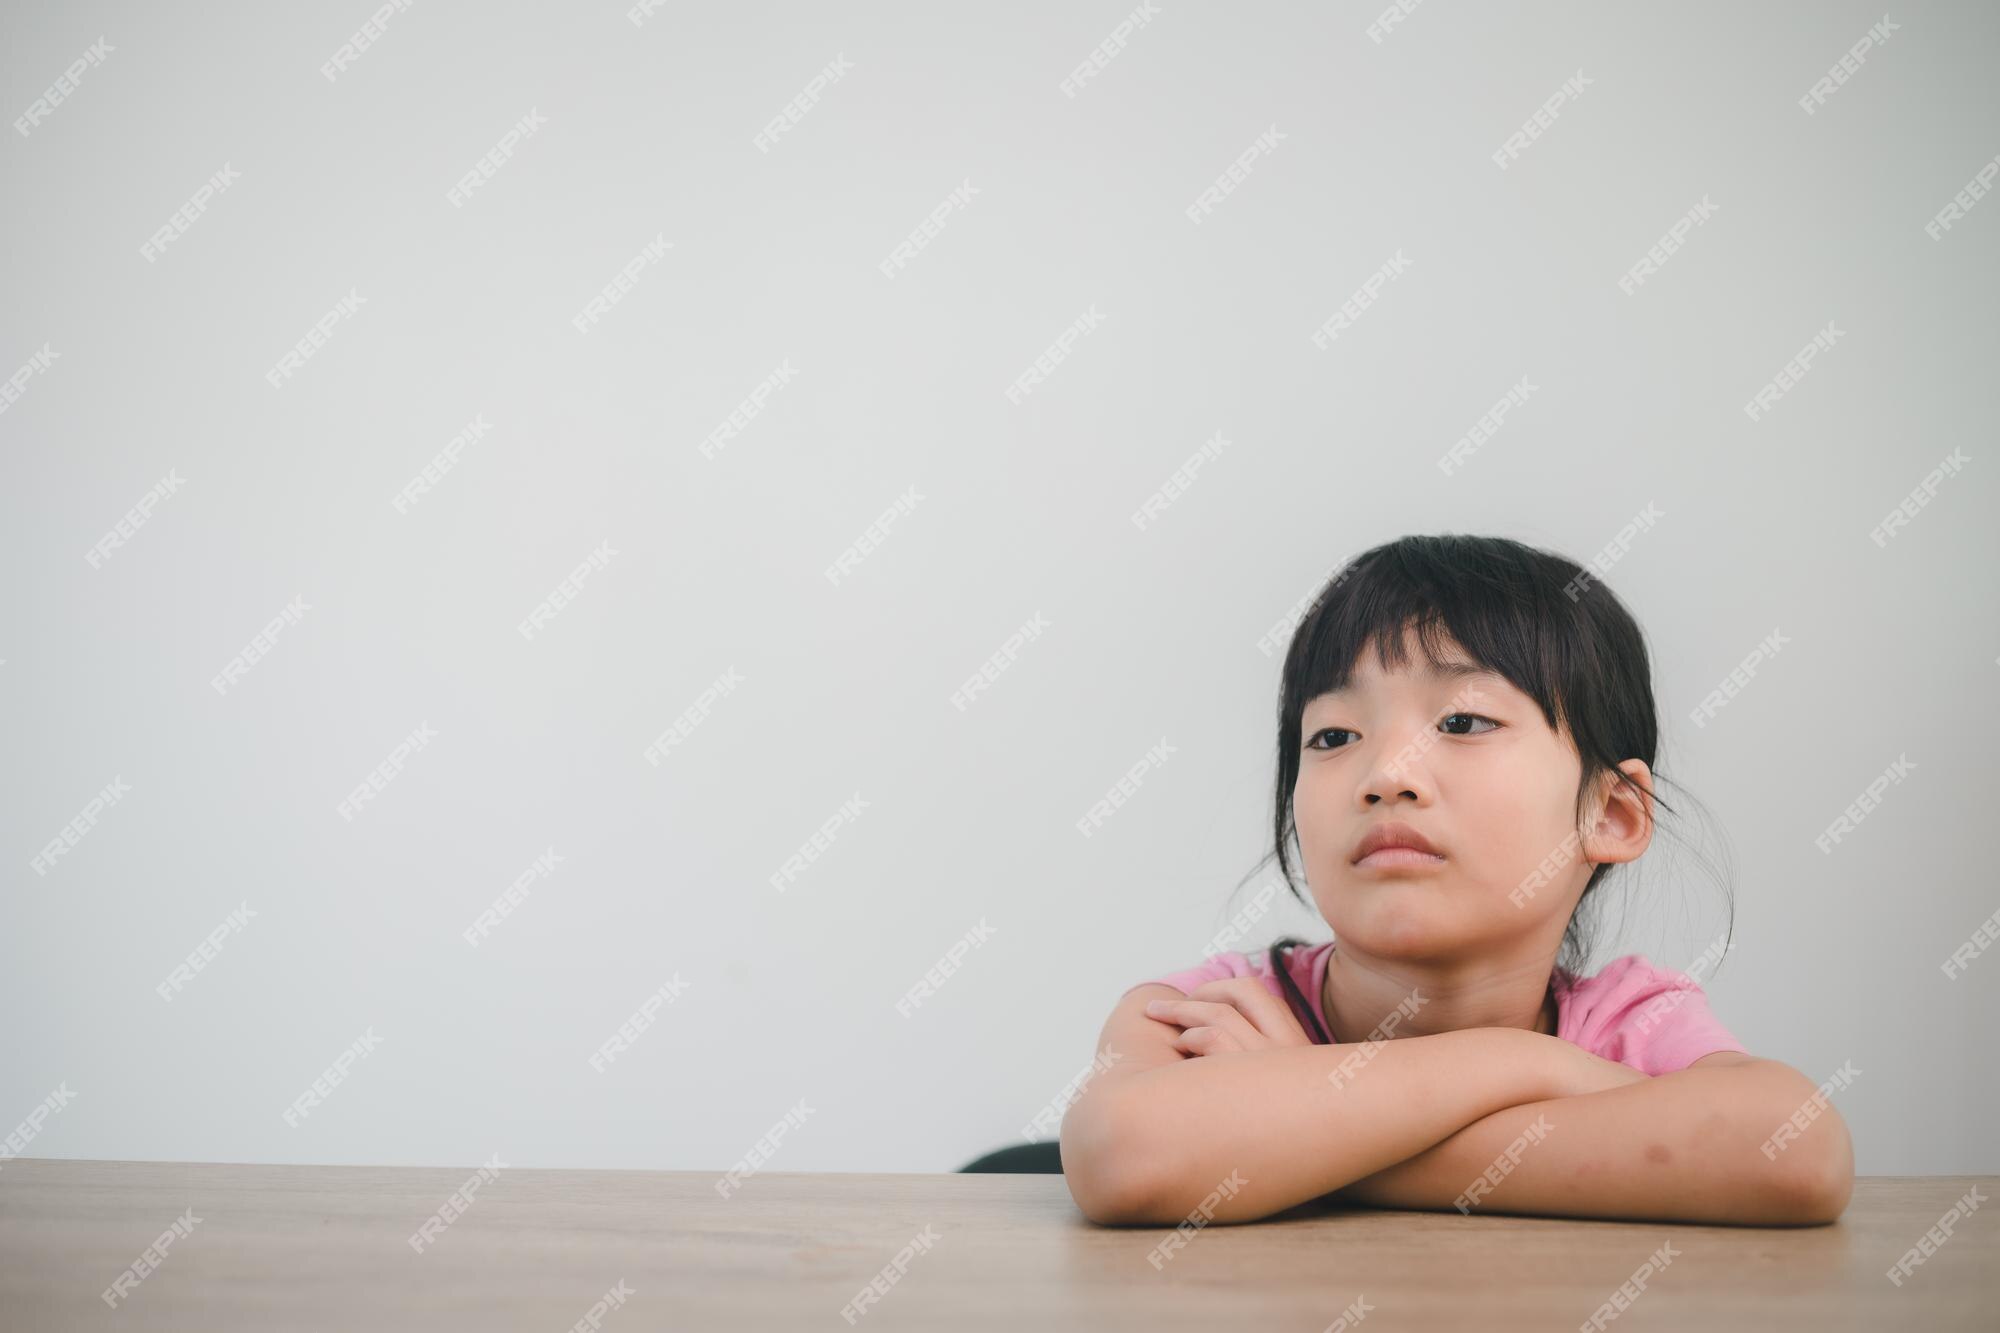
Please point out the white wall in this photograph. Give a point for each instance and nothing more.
(286, 492)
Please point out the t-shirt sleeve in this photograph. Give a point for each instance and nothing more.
(1654, 1019)
(1213, 968)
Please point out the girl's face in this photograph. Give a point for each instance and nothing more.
(1465, 759)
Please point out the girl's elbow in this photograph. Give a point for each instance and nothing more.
(1106, 1165)
(1820, 1184)
(1109, 1202)
(1827, 1194)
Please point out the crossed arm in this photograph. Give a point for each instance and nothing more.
(1187, 1119)
(1699, 1145)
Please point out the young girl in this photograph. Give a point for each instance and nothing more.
(1466, 734)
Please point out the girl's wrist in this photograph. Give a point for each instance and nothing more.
(1571, 1071)
(1516, 1066)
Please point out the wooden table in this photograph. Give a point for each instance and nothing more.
(331, 1248)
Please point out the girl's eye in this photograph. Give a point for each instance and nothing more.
(1312, 742)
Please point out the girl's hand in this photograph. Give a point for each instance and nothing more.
(1576, 1072)
(1231, 1014)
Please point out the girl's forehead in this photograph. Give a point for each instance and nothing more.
(1433, 655)
(1456, 673)
(1451, 667)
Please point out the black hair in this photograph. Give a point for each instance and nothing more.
(1539, 619)
(1300, 1008)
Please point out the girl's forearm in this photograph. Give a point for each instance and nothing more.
(1244, 1134)
(1682, 1147)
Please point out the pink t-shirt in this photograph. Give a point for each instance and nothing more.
(1654, 1019)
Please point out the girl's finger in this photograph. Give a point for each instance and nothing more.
(1206, 1041)
(1270, 1016)
(1201, 1013)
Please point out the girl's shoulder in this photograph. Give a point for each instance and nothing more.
(1257, 964)
(1655, 1019)
(1632, 973)
(1212, 968)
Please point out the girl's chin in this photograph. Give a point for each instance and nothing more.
(1404, 919)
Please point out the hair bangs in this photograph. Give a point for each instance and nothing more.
(1500, 619)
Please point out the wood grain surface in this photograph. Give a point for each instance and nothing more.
(283, 1248)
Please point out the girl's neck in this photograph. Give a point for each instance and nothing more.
(1366, 999)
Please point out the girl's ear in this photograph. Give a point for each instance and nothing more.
(1624, 826)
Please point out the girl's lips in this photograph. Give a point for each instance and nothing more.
(1383, 857)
